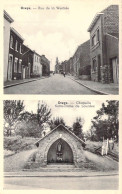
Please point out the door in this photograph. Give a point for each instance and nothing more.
(99, 71)
(115, 70)
(23, 73)
(10, 63)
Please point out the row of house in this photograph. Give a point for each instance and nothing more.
(98, 58)
(20, 62)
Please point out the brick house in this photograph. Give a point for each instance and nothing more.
(104, 51)
(27, 62)
(15, 55)
(7, 24)
(60, 145)
(45, 66)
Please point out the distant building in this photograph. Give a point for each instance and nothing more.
(7, 23)
(104, 51)
(15, 55)
(84, 67)
(81, 59)
(57, 66)
(45, 66)
(79, 64)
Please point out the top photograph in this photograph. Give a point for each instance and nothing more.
(61, 49)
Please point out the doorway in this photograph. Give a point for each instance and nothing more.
(10, 63)
(114, 70)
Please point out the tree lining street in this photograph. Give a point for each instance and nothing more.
(57, 84)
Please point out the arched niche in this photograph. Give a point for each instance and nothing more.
(60, 152)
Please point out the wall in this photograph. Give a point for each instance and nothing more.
(6, 46)
(112, 45)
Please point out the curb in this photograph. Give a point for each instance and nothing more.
(115, 174)
(11, 85)
(97, 91)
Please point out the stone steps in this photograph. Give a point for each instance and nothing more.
(59, 168)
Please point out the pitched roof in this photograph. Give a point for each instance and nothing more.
(98, 15)
(94, 21)
(8, 17)
(65, 129)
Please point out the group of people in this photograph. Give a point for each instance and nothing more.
(62, 73)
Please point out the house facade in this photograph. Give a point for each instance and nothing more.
(15, 55)
(6, 30)
(60, 145)
(104, 30)
(37, 66)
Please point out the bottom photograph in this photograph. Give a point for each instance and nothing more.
(61, 145)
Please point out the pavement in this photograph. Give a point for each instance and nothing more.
(18, 82)
(105, 89)
(97, 87)
(59, 174)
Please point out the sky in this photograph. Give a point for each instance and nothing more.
(86, 110)
(51, 31)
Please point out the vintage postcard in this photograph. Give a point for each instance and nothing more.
(60, 96)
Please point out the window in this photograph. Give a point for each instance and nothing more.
(15, 65)
(35, 58)
(94, 40)
(94, 65)
(20, 49)
(98, 35)
(20, 63)
(16, 46)
(11, 42)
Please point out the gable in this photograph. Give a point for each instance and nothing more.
(60, 131)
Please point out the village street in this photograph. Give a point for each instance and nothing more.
(55, 84)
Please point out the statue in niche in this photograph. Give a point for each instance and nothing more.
(59, 147)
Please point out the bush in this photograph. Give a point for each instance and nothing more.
(85, 70)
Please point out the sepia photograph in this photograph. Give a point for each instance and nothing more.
(61, 145)
(69, 47)
(60, 96)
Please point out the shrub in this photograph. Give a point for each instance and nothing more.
(85, 70)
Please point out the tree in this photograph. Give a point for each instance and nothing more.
(77, 127)
(106, 121)
(31, 124)
(56, 121)
(43, 113)
(12, 109)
